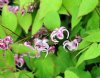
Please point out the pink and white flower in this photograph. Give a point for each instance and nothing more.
(42, 31)
(41, 45)
(13, 9)
(19, 61)
(2, 2)
(52, 49)
(30, 8)
(8, 40)
(28, 44)
(4, 43)
(71, 45)
(59, 33)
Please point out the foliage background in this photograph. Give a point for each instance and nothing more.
(80, 17)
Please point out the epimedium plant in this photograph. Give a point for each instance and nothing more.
(49, 39)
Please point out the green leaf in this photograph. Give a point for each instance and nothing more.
(83, 44)
(16, 74)
(0, 19)
(93, 37)
(63, 10)
(37, 24)
(2, 60)
(83, 74)
(87, 6)
(25, 3)
(46, 7)
(44, 67)
(70, 74)
(89, 32)
(25, 74)
(1, 76)
(91, 53)
(93, 22)
(8, 74)
(9, 19)
(18, 31)
(28, 62)
(25, 21)
(20, 48)
(63, 60)
(3, 32)
(78, 72)
(58, 77)
(73, 7)
(75, 30)
(9, 57)
(52, 20)
(95, 72)
(43, 10)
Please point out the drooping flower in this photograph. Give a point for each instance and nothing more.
(23, 11)
(19, 61)
(30, 8)
(4, 43)
(41, 45)
(71, 45)
(28, 44)
(42, 31)
(52, 49)
(59, 33)
(13, 9)
(2, 2)
(8, 40)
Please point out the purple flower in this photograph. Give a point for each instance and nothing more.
(2, 2)
(41, 32)
(52, 49)
(6, 1)
(3, 45)
(13, 9)
(28, 44)
(59, 33)
(8, 40)
(30, 8)
(41, 45)
(19, 61)
(23, 11)
(71, 45)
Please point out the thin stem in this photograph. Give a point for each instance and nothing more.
(81, 51)
(10, 30)
(97, 11)
(22, 39)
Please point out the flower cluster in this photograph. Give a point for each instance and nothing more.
(15, 9)
(19, 61)
(2, 2)
(4, 43)
(41, 32)
(40, 46)
(59, 33)
(71, 45)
